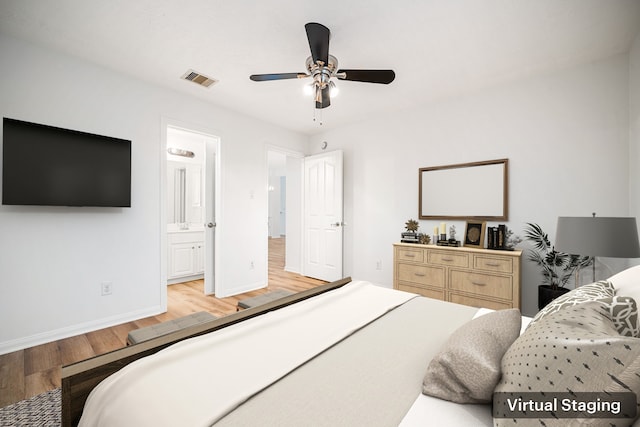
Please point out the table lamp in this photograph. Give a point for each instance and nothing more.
(610, 237)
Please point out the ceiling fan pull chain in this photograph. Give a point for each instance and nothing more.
(317, 112)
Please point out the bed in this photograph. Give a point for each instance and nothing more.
(346, 353)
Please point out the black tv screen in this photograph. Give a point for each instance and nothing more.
(50, 166)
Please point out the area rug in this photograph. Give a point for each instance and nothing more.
(41, 410)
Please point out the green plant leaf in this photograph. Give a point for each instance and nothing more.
(557, 268)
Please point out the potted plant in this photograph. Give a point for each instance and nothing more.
(556, 267)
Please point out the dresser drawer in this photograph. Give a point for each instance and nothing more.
(410, 254)
(478, 302)
(421, 274)
(425, 292)
(448, 258)
(495, 264)
(482, 284)
(469, 276)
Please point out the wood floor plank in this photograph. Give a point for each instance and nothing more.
(74, 349)
(41, 358)
(41, 380)
(104, 340)
(32, 371)
(11, 377)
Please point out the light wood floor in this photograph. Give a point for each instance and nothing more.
(26, 373)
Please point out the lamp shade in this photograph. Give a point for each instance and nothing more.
(612, 237)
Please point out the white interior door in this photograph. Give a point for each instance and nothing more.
(323, 220)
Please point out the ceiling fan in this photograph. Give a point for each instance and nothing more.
(322, 67)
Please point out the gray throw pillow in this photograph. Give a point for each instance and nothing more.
(467, 368)
(576, 349)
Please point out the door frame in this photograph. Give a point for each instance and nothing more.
(165, 123)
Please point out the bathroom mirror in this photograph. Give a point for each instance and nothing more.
(184, 194)
(477, 190)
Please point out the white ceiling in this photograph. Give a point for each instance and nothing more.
(438, 48)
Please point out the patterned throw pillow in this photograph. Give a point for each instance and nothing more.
(576, 349)
(590, 292)
(624, 313)
(623, 310)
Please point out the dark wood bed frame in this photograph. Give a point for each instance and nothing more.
(80, 378)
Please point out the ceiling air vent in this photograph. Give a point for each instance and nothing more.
(198, 78)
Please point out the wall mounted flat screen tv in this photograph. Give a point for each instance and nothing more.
(49, 166)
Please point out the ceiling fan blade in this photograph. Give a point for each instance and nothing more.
(368, 76)
(318, 36)
(325, 100)
(277, 76)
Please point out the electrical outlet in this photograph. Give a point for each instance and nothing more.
(252, 266)
(107, 288)
(379, 265)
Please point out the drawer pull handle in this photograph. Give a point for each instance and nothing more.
(447, 259)
(478, 283)
(493, 264)
(420, 274)
(410, 255)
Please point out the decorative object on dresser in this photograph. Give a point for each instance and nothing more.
(612, 237)
(512, 240)
(442, 239)
(469, 276)
(411, 235)
(556, 267)
(474, 235)
(497, 237)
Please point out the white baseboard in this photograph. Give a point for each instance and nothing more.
(70, 331)
(185, 279)
(246, 288)
(292, 270)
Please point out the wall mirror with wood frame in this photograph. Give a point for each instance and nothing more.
(476, 190)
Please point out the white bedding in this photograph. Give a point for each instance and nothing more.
(427, 410)
(431, 411)
(208, 376)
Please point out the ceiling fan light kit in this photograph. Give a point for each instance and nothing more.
(322, 67)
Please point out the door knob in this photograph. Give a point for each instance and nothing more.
(210, 224)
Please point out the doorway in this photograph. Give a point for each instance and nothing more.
(191, 202)
(285, 210)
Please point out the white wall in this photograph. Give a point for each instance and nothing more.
(53, 259)
(565, 135)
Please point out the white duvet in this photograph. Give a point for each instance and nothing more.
(197, 381)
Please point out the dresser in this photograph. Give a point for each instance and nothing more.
(469, 276)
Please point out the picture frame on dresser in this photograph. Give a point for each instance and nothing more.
(474, 234)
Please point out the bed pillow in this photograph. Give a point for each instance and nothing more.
(627, 282)
(467, 368)
(576, 349)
